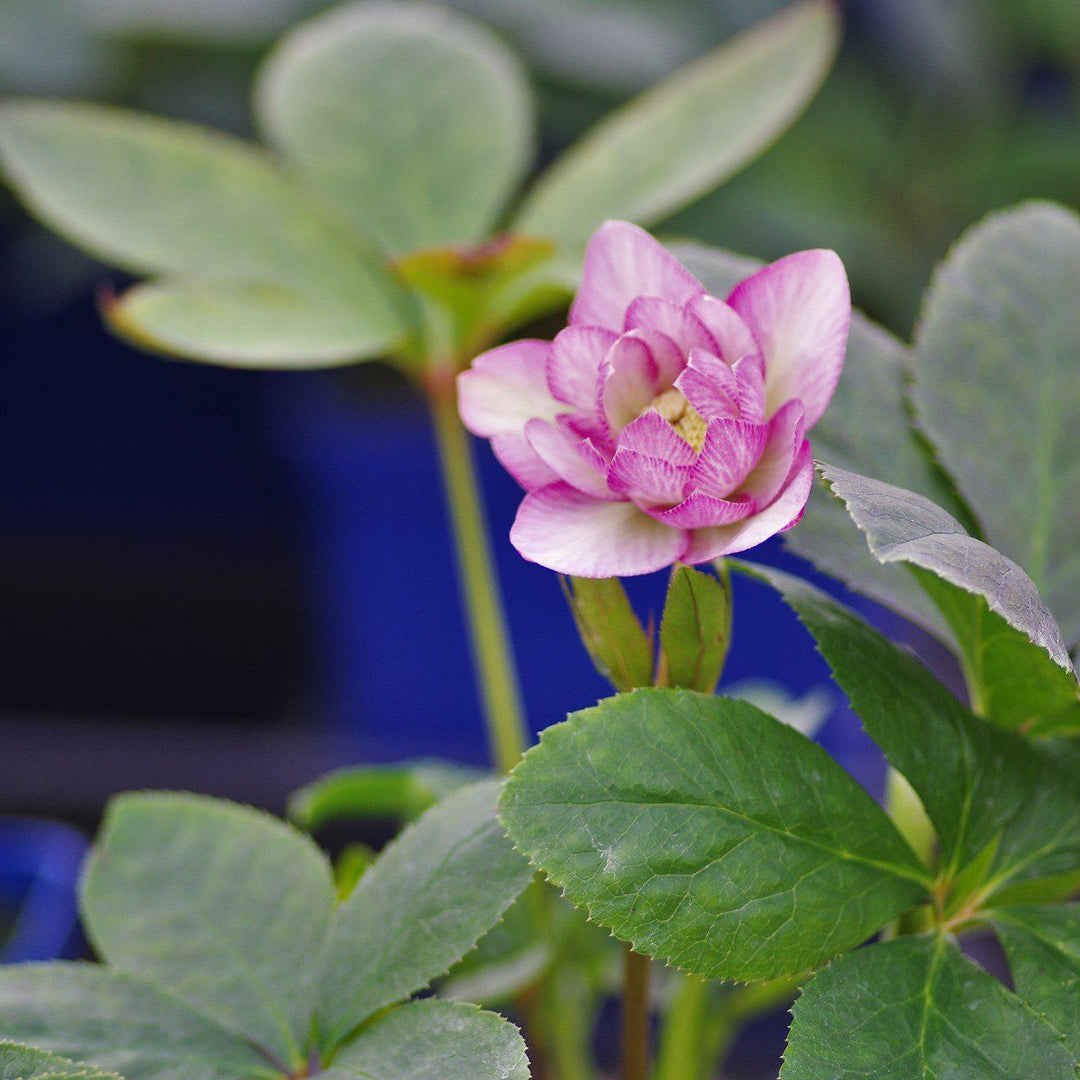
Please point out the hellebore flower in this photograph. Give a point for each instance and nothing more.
(663, 424)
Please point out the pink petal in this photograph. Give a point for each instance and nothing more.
(799, 309)
(630, 379)
(623, 262)
(678, 323)
(505, 387)
(573, 368)
(560, 450)
(645, 479)
(781, 514)
(731, 449)
(521, 461)
(783, 443)
(572, 533)
(698, 511)
(750, 387)
(732, 336)
(652, 435)
(709, 385)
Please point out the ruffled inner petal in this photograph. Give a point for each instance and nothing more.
(679, 324)
(784, 441)
(649, 481)
(732, 449)
(699, 511)
(573, 368)
(652, 435)
(560, 449)
(734, 339)
(521, 461)
(709, 384)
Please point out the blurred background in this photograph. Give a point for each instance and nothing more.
(201, 569)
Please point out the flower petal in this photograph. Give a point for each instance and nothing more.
(698, 511)
(780, 515)
(572, 533)
(709, 385)
(731, 450)
(784, 441)
(623, 262)
(629, 380)
(799, 309)
(649, 480)
(573, 368)
(560, 449)
(726, 327)
(521, 461)
(678, 323)
(506, 387)
(750, 387)
(651, 434)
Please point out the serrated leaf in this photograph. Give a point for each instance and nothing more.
(415, 121)
(434, 1040)
(686, 135)
(1043, 947)
(696, 629)
(1016, 663)
(19, 1062)
(916, 1009)
(373, 791)
(709, 834)
(980, 785)
(226, 906)
(427, 900)
(119, 1022)
(611, 632)
(996, 391)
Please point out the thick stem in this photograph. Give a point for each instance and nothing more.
(487, 622)
(635, 1033)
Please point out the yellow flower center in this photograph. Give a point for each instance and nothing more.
(682, 416)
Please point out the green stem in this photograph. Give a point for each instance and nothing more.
(487, 622)
(635, 1025)
(682, 1044)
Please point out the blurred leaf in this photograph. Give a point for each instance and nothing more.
(709, 835)
(696, 629)
(19, 1062)
(414, 121)
(232, 921)
(917, 1009)
(611, 632)
(689, 133)
(426, 902)
(350, 866)
(996, 389)
(115, 1021)
(433, 1040)
(374, 791)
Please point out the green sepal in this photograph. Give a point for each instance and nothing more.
(695, 630)
(610, 631)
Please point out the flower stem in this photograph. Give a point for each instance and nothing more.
(487, 622)
(635, 1026)
(682, 1044)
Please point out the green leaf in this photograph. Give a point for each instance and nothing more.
(427, 900)
(610, 631)
(227, 907)
(19, 1062)
(434, 1040)
(708, 834)
(685, 136)
(1016, 663)
(1043, 947)
(120, 1022)
(916, 1009)
(416, 122)
(377, 791)
(696, 629)
(980, 785)
(996, 389)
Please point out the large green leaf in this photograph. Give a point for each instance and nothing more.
(434, 1040)
(987, 791)
(227, 907)
(19, 1062)
(120, 1022)
(683, 137)
(1043, 946)
(916, 1009)
(708, 834)
(414, 121)
(996, 389)
(427, 900)
(1018, 669)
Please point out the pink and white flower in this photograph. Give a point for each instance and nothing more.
(663, 424)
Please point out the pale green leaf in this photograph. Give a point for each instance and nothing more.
(685, 136)
(427, 900)
(997, 393)
(433, 1040)
(709, 834)
(120, 1022)
(917, 1009)
(19, 1062)
(226, 906)
(696, 629)
(415, 121)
